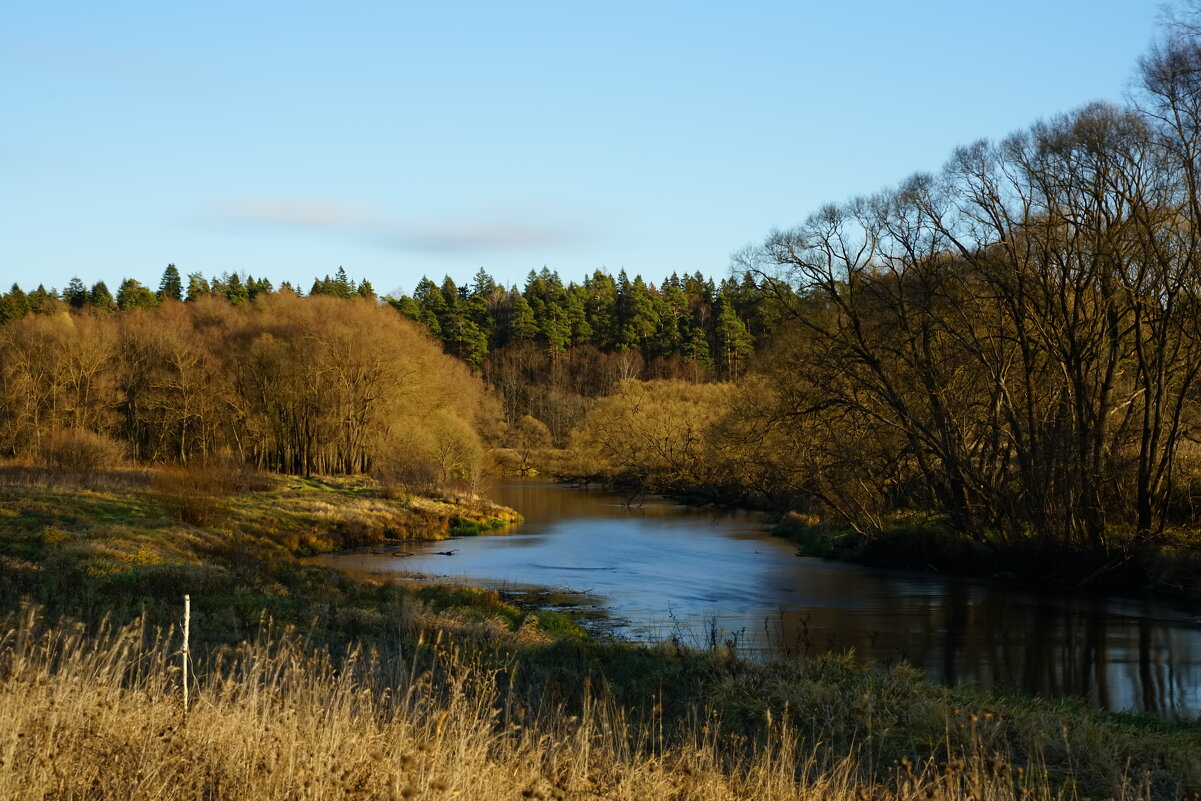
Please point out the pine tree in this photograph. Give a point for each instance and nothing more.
(553, 326)
(76, 294)
(635, 312)
(236, 291)
(697, 348)
(464, 339)
(343, 287)
(198, 287)
(522, 326)
(406, 306)
(171, 285)
(734, 344)
(132, 295)
(101, 299)
(483, 286)
(42, 300)
(600, 304)
(577, 315)
(432, 304)
(258, 286)
(672, 311)
(13, 305)
(475, 309)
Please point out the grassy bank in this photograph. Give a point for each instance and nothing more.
(1165, 565)
(313, 684)
(120, 542)
(1168, 568)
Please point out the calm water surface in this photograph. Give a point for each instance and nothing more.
(664, 570)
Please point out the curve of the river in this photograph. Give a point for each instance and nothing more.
(665, 570)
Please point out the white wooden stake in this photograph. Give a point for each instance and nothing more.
(187, 619)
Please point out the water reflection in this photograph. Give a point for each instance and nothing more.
(669, 571)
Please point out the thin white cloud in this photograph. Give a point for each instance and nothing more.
(366, 224)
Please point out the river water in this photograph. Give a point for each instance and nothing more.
(663, 570)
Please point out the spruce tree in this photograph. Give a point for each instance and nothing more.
(483, 286)
(13, 305)
(198, 287)
(100, 299)
(171, 285)
(258, 286)
(76, 294)
(342, 286)
(42, 300)
(522, 325)
(236, 291)
(734, 344)
(132, 295)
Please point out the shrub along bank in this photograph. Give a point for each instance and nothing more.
(453, 690)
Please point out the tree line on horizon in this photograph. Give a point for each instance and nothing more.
(133, 294)
(548, 350)
(692, 320)
(81, 360)
(687, 320)
(1011, 346)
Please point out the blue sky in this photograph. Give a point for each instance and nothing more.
(399, 139)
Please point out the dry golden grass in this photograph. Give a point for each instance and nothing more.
(169, 510)
(323, 514)
(98, 716)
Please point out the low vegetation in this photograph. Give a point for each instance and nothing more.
(115, 542)
(489, 712)
(313, 684)
(916, 542)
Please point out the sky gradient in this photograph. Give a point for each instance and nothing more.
(405, 139)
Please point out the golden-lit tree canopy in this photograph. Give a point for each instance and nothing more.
(319, 384)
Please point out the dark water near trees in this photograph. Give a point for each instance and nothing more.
(664, 570)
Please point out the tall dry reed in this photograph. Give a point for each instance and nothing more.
(98, 715)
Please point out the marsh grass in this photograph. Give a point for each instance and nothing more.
(386, 691)
(16, 475)
(198, 495)
(98, 715)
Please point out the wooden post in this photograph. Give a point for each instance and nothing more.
(187, 619)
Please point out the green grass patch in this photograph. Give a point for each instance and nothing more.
(468, 527)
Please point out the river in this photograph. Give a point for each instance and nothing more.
(663, 570)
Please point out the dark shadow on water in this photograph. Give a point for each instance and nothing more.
(665, 571)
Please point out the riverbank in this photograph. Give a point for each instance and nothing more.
(114, 543)
(1169, 568)
(314, 684)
